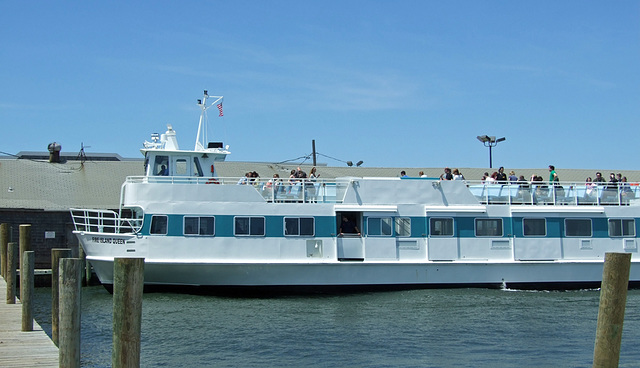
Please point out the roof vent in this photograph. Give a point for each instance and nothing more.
(54, 152)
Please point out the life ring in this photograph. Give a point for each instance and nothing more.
(212, 181)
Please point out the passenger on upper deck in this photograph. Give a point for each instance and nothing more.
(275, 185)
(512, 177)
(421, 174)
(524, 189)
(485, 177)
(553, 176)
(542, 190)
(403, 174)
(522, 181)
(447, 175)
(590, 188)
(245, 179)
(599, 178)
(625, 189)
(254, 179)
(313, 175)
(292, 176)
(613, 182)
(310, 186)
(457, 175)
(501, 176)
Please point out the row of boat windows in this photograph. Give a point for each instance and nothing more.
(243, 226)
(385, 226)
(536, 227)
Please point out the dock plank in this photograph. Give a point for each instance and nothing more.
(23, 349)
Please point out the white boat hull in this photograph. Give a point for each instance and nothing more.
(436, 274)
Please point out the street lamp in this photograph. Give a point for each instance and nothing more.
(490, 141)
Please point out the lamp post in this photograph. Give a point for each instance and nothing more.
(490, 141)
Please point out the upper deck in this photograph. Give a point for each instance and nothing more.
(335, 191)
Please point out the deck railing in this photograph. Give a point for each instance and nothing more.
(333, 191)
(103, 221)
(278, 191)
(558, 193)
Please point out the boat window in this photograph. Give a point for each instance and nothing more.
(577, 227)
(534, 227)
(379, 226)
(622, 227)
(441, 226)
(196, 167)
(133, 218)
(158, 225)
(403, 226)
(248, 226)
(181, 167)
(161, 166)
(299, 226)
(199, 225)
(488, 227)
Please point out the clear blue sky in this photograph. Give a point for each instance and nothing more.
(392, 83)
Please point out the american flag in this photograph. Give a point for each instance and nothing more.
(220, 109)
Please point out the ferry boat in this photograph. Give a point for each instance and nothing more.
(195, 228)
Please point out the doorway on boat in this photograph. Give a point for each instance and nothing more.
(349, 240)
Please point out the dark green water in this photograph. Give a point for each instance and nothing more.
(420, 328)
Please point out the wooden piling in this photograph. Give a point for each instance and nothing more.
(12, 256)
(128, 282)
(613, 297)
(70, 303)
(26, 289)
(85, 266)
(24, 240)
(4, 241)
(56, 255)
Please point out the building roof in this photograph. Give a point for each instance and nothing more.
(34, 184)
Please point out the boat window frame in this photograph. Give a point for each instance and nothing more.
(249, 228)
(199, 225)
(488, 219)
(524, 227)
(198, 167)
(298, 225)
(397, 226)
(447, 235)
(181, 163)
(382, 220)
(566, 234)
(622, 227)
(153, 222)
(158, 161)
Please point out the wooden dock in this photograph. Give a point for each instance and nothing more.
(22, 349)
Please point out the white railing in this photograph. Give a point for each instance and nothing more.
(103, 221)
(543, 193)
(279, 190)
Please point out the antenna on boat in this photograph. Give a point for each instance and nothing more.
(201, 138)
